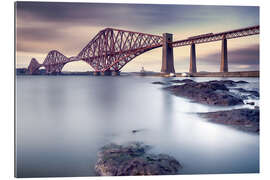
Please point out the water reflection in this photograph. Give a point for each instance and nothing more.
(167, 110)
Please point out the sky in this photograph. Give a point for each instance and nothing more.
(68, 27)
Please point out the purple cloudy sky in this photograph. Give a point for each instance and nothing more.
(68, 27)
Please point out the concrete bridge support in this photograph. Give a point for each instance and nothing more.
(115, 73)
(192, 65)
(224, 56)
(167, 54)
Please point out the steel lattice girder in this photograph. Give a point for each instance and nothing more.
(55, 61)
(219, 36)
(111, 48)
(33, 66)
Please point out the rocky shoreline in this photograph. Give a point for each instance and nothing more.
(243, 119)
(133, 159)
(210, 92)
(221, 93)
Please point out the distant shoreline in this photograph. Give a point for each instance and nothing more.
(228, 74)
(156, 74)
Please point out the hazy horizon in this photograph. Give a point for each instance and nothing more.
(68, 27)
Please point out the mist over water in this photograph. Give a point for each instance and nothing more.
(62, 121)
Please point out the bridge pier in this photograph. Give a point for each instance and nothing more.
(106, 73)
(96, 73)
(115, 73)
(224, 56)
(167, 54)
(192, 64)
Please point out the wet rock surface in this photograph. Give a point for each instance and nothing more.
(243, 119)
(253, 93)
(133, 159)
(242, 82)
(210, 92)
(228, 83)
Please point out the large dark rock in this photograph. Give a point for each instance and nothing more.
(211, 92)
(243, 119)
(132, 159)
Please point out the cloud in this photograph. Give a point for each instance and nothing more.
(135, 15)
(248, 56)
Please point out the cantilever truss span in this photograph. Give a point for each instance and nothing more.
(110, 49)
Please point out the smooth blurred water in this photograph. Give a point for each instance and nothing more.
(62, 121)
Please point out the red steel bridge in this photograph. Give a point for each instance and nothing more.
(111, 49)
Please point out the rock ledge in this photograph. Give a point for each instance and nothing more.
(210, 92)
(132, 159)
(243, 119)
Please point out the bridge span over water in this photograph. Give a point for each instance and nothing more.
(111, 49)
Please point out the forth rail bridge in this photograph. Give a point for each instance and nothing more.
(111, 49)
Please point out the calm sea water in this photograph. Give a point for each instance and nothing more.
(62, 121)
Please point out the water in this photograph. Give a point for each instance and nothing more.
(62, 121)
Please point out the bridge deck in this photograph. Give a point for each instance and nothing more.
(248, 31)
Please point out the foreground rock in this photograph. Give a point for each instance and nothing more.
(132, 159)
(243, 119)
(211, 92)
